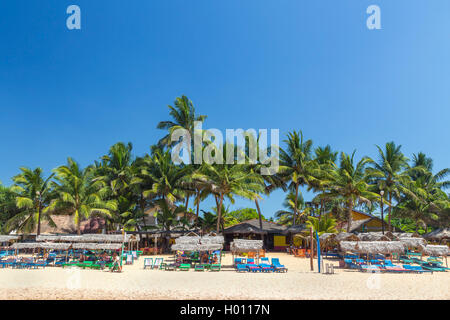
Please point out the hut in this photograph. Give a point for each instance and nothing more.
(271, 232)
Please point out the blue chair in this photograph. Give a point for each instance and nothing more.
(148, 262)
(241, 268)
(278, 267)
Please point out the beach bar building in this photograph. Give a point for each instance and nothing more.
(271, 233)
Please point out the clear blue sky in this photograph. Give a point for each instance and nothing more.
(286, 64)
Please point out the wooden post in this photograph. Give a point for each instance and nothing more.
(312, 248)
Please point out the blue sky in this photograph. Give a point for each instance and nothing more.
(286, 64)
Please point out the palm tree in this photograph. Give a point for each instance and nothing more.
(166, 217)
(167, 177)
(388, 173)
(286, 216)
(8, 207)
(183, 117)
(33, 193)
(78, 194)
(208, 222)
(324, 224)
(228, 180)
(297, 165)
(350, 182)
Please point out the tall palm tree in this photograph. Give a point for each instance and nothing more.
(183, 117)
(228, 180)
(33, 194)
(297, 164)
(350, 182)
(8, 207)
(389, 173)
(78, 194)
(166, 176)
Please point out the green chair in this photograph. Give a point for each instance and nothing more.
(184, 267)
(199, 267)
(215, 267)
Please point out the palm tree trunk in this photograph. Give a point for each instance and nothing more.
(198, 204)
(39, 221)
(260, 219)
(295, 204)
(350, 216)
(186, 206)
(219, 213)
(389, 213)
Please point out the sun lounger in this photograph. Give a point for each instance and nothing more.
(148, 262)
(184, 267)
(241, 268)
(369, 268)
(434, 267)
(199, 267)
(266, 267)
(158, 263)
(278, 267)
(417, 269)
(253, 268)
(215, 267)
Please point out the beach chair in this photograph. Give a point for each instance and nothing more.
(241, 268)
(237, 261)
(265, 260)
(184, 267)
(253, 268)
(199, 267)
(135, 255)
(417, 269)
(148, 262)
(369, 268)
(264, 267)
(278, 267)
(158, 263)
(434, 267)
(215, 267)
(129, 259)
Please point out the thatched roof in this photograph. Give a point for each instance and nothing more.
(294, 229)
(65, 225)
(373, 236)
(41, 245)
(411, 242)
(88, 238)
(243, 245)
(196, 247)
(8, 238)
(252, 226)
(196, 243)
(373, 247)
(432, 250)
(97, 246)
(345, 236)
(438, 234)
(406, 235)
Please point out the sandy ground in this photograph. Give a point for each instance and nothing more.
(298, 283)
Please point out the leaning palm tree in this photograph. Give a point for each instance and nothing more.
(350, 182)
(183, 117)
(388, 173)
(297, 165)
(324, 224)
(77, 194)
(33, 194)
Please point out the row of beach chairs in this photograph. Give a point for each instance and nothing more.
(385, 265)
(263, 266)
(159, 264)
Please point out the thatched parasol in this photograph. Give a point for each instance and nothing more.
(438, 234)
(97, 246)
(243, 245)
(89, 238)
(436, 251)
(372, 247)
(345, 236)
(8, 238)
(411, 242)
(41, 245)
(373, 236)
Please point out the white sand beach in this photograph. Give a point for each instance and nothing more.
(298, 283)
